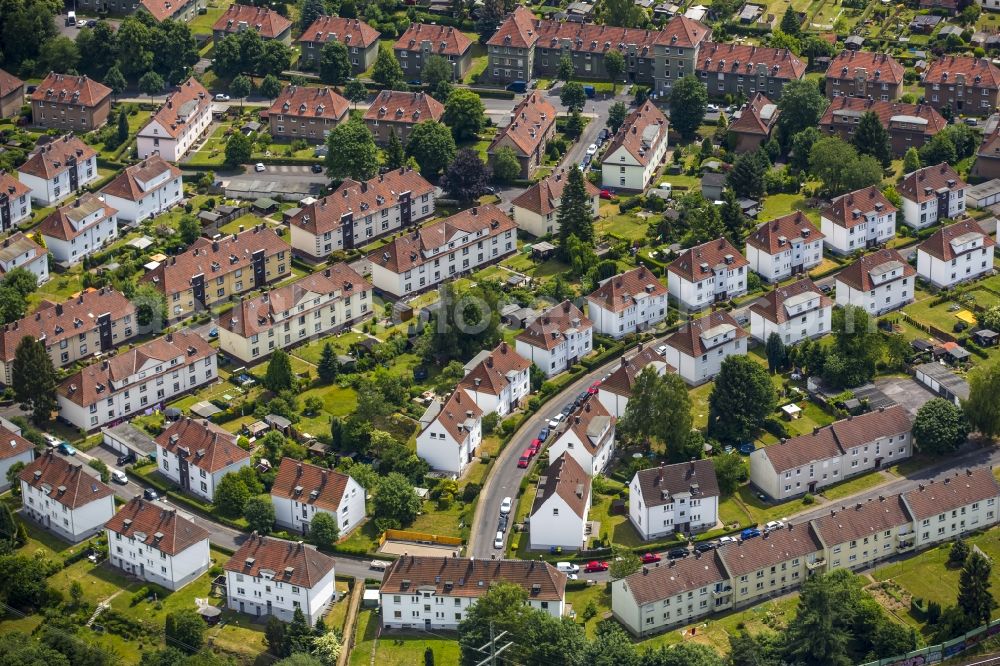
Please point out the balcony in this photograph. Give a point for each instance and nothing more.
(722, 592)
(816, 564)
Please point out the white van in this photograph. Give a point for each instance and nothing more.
(498, 541)
(119, 476)
(567, 567)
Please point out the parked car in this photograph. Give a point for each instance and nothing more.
(119, 476)
(592, 149)
(661, 350)
(727, 539)
(607, 194)
(221, 97)
(568, 409)
(649, 558)
(535, 447)
(595, 387)
(66, 449)
(498, 541)
(568, 567)
(150, 494)
(746, 448)
(126, 459)
(749, 533)
(677, 553)
(772, 525)
(379, 565)
(595, 566)
(502, 523)
(704, 546)
(258, 167)
(317, 168)
(524, 461)
(543, 434)
(52, 440)
(506, 505)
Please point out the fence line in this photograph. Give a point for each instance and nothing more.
(935, 654)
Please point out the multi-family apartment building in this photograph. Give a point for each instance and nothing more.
(556, 339)
(947, 509)
(956, 253)
(152, 542)
(20, 251)
(743, 69)
(421, 41)
(274, 577)
(536, 210)
(11, 95)
(178, 124)
(301, 490)
(423, 258)
(196, 454)
(878, 282)
(858, 220)
(61, 497)
(58, 169)
(932, 194)
(95, 320)
(268, 23)
(771, 564)
(15, 201)
(162, 10)
(752, 126)
(908, 125)
(864, 74)
(309, 308)
(858, 536)
(682, 498)
(70, 102)
(558, 517)
(636, 150)
(786, 246)
(629, 302)
(498, 381)
(532, 125)
(79, 229)
(150, 374)
(356, 213)
(963, 84)
(212, 271)
(589, 436)
(144, 190)
(395, 111)
(450, 433)
(843, 449)
(360, 39)
(699, 347)
(616, 389)
(706, 274)
(306, 113)
(795, 312)
(13, 449)
(423, 592)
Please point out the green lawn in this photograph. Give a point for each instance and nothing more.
(627, 226)
(399, 648)
(699, 404)
(762, 512)
(932, 315)
(212, 153)
(341, 344)
(579, 599)
(852, 486)
(776, 205)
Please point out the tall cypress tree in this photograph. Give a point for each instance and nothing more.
(328, 367)
(974, 596)
(122, 134)
(34, 379)
(395, 157)
(790, 23)
(575, 212)
(871, 138)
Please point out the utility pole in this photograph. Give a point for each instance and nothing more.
(494, 651)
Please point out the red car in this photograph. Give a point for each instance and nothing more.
(593, 387)
(523, 461)
(649, 558)
(606, 194)
(535, 446)
(595, 566)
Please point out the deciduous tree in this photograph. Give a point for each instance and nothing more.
(742, 398)
(323, 530)
(688, 104)
(351, 151)
(871, 138)
(387, 71)
(572, 96)
(911, 160)
(431, 144)
(801, 105)
(467, 177)
(395, 501)
(259, 513)
(239, 149)
(185, 630)
(151, 83)
(939, 427)
(982, 409)
(659, 412)
(614, 65)
(464, 113)
(565, 72)
(334, 63)
(616, 116)
(436, 69)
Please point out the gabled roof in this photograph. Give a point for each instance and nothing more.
(13, 188)
(769, 549)
(459, 415)
(978, 72)
(622, 379)
(350, 32)
(667, 579)
(745, 59)
(70, 89)
(131, 184)
(54, 157)
(776, 304)
(849, 210)
(309, 484)
(268, 23)
(18, 244)
(757, 116)
(643, 130)
(9, 83)
(847, 111)
(156, 526)
(490, 374)
(444, 40)
(861, 520)
(859, 274)
(592, 424)
(549, 329)
(962, 489)
(626, 289)
(544, 196)
(778, 234)
(875, 67)
(162, 10)
(64, 222)
(517, 30)
(659, 485)
(531, 120)
(12, 444)
(468, 577)
(62, 481)
(304, 102)
(941, 244)
(187, 102)
(290, 562)
(990, 147)
(395, 106)
(689, 338)
(564, 477)
(699, 262)
(203, 444)
(923, 184)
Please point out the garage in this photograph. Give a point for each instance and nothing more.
(983, 194)
(125, 438)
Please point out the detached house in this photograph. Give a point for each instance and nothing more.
(497, 381)
(795, 312)
(615, 390)
(69, 102)
(196, 454)
(360, 39)
(987, 164)
(681, 498)
(268, 576)
(858, 220)
(636, 150)
(268, 23)
(11, 95)
(864, 74)
(753, 124)
(20, 251)
(306, 113)
(698, 349)
(627, 303)
(58, 169)
(932, 194)
(562, 501)
(301, 490)
(878, 282)
(79, 229)
(956, 253)
(536, 210)
(13, 449)
(178, 124)
(153, 543)
(421, 41)
(967, 85)
(15, 201)
(706, 274)
(59, 495)
(145, 190)
(944, 510)
(556, 339)
(786, 246)
(397, 111)
(532, 125)
(450, 433)
(589, 437)
(851, 446)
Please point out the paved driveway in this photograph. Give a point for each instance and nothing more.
(904, 391)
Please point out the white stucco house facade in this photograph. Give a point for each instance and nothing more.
(932, 194)
(878, 282)
(498, 381)
(786, 246)
(301, 490)
(562, 502)
(195, 454)
(556, 339)
(63, 498)
(709, 273)
(80, 228)
(636, 150)
(627, 303)
(589, 437)
(145, 190)
(58, 169)
(681, 498)
(957, 253)
(795, 312)
(450, 433)
(698, 349)
(858, 220)
(178, 124)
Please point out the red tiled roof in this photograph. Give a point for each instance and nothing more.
(288, 561)
(53, 158)
(468, 577)
(668, 579)
(531, 120)
(592, 424)
(350, 32)
(564, 477)
(939, 244)
(744, 59)
(859, 274)
(862, 520)
(772, 306)
(70, 89)
(770, 549)
(444, 39)
(189, 100)
(298, 481)
(962, 489)
(619, 292)
(203, 444)
(59, 223)
(849, 209)
(632, 134)
(947, 69)
(542, 197)
(12, 444)
(394, 106)
(268, 23)
(12, 187)
(129, 184)
(680, 32)
(711, 254)
(9, 83)
(517, 30)
(923, 184)
(456, 413)
(62, 481)
(688, 338)
(162, 10)
(844, 111)
(156, 526)
(622, 379)
(547, 331)
(492, 371)
(990, 147)
(304, 102)
(774, 236)
(752, 118)
(878, 67)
